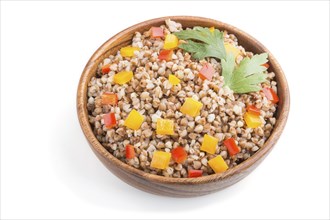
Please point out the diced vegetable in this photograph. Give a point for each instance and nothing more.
(195, 173)
(106, 68)
(270, 95)
(191, 107)
(165, 126)
(253, 110)
(231, 146)
(134, 120)
(129, 151)
(265, 65)
(156, 32)
(231, 49)
(218, 164)
(165, 55)
(109, 120)
(160, 160)
(252, 120)
(206, 72)
(123, 77)
(179, 154)
(173, 79)
(209, 144)
(211, 29)
(128, 51)
(109, 98)
(171, 42)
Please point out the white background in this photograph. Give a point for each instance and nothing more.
(47, 167)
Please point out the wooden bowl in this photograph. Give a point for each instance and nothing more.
(179, 187)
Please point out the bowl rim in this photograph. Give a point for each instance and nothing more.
(109, 158)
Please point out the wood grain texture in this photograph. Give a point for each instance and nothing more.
(183, 187)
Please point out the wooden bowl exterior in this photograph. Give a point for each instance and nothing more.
(182, 187)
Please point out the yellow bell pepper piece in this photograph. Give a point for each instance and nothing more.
(252, 120)
(128, 51)
(123, 77)
(209, 144)
(160, 159)
(191, 107)
(173, 79)
(134, 120)
(165, 126)
(218, 164)
(211, 29)
(231, 49)
(171, 42)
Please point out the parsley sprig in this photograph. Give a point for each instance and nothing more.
(243, 78)
(209, 44)
(247, 76)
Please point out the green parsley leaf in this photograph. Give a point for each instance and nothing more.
(208, 44)
(244, 78)
(247, 76)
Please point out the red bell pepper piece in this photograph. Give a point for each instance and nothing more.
(106, 68)
(206, 72)
(231, 146)
(156, 32)
(265, 65)
(195, 173)
(270, 95)
(165, 55)
(110, 120)
(253, 109)
(179, 155)
(129, 151)
(109, 98)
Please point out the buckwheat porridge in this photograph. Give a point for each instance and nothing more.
(183, 103)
